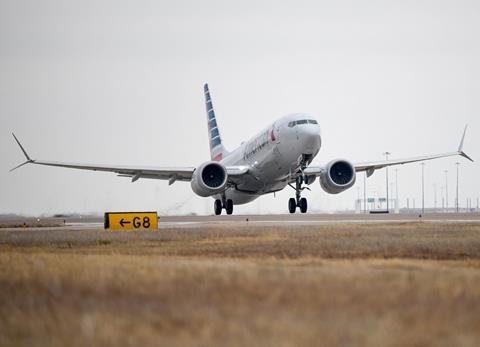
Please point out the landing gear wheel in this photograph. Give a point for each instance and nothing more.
(298, 201)
(292, 205)
(229, 206)
(303, 205)
(218, 207)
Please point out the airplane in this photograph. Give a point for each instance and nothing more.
(279, 155)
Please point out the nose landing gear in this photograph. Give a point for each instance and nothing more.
(298, 201)
(226, 204)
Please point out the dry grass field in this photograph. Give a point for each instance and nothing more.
(409, 284)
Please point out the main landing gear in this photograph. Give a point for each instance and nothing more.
(227, 204)
(298, 201)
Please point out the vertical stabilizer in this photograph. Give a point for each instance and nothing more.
(217, 151)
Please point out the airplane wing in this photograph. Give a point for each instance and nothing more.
(171, 174)
(370, 167)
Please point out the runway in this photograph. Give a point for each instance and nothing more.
(326, 218)
(96, 222)
(316, 219)
(293, 219)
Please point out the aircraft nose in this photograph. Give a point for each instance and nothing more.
(311, 139)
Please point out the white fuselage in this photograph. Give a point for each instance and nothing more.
(273, 156)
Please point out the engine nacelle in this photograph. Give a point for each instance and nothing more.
(209, 179)
(339, 175)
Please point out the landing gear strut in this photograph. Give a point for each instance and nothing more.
(298, 201)
(226, 204)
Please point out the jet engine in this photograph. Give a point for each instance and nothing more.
(209, 179)
(339, 175)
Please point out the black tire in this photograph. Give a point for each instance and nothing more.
(229, 206)
(218, 207)
(303, 205)
(292, 205)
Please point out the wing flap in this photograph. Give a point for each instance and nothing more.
(370, 167)
(381, 164)
(135, 172)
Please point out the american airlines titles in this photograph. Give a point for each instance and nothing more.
(256, 145)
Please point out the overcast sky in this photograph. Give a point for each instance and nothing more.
(120, 82)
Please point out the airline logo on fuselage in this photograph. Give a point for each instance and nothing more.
(272, 135)
(258, 143)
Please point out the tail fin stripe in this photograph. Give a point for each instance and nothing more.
(217, 151)
(213, 123)
(216, 141)
(215, 132)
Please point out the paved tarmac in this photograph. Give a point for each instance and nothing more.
(322, 219)
(296, 219)
(272, 219)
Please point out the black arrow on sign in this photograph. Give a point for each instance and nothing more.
(123, 222)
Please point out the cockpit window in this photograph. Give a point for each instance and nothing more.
(302, 121)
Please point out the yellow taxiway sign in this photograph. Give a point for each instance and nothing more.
(131, 220)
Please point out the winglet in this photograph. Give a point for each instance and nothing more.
(21, 147)
(460, 147)
(29, 160)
